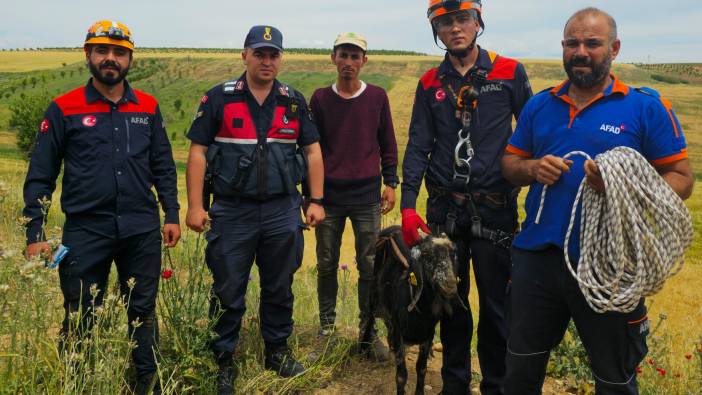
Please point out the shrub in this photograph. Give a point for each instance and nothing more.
(27, 114)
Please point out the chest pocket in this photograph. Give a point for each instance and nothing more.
(137, 134)
(89, 137)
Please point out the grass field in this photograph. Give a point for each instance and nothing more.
(30, 300)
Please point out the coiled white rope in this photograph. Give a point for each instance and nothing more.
(632, 237)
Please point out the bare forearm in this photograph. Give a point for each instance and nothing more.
(682, 184)
(315, 171)
(679, 176)
(517, 170)
(195, 175)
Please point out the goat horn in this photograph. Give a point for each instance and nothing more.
(398, 254)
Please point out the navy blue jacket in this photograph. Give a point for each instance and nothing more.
(112, 153)
(433, 132)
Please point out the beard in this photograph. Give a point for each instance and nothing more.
(585, 80)
(112, 77)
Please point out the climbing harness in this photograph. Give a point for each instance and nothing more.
(465, 102)
(632, 237)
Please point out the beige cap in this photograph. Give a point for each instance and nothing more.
(353, 39)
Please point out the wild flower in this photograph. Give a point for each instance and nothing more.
(688, 356)
(131, 283)
(344, 267)
(166, 274)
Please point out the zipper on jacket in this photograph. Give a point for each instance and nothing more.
(126, 123)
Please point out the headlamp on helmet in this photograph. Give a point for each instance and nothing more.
(110, 32)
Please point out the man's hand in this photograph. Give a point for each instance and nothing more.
(387, 200)
(196, 219)
(39, 248)
(549, 169)
(411, 221)
(314, 214)
(593, 176)
(171, 235)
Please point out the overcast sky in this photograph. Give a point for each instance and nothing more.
(655, 31)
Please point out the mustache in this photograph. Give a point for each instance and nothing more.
(109, 64)
(581, 61)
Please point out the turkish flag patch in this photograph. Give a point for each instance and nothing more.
(89, 121)
(440, 95)
(44, 127)
(204, 99)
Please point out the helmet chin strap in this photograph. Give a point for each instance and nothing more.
(458, 54)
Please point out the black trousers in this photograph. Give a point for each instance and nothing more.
(491, 267)
(544, 297)
(88, 264)
(267, 232)
(365, 220)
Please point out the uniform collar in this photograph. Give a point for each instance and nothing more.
(278, 88)
(484, 61)
(615, 87)
(92, 95)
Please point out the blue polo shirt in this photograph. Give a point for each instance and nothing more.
(551, 124)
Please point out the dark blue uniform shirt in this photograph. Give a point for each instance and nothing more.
(210, 114)
(433, 132)
(113, 153)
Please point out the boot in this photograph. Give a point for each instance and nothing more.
(146, 385)
(281, 361)
(369, 343)
(227, 373)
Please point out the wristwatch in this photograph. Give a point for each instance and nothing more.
(391, 184)
(317, 201)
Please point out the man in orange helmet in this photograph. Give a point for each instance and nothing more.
(461, 121)
(114, 148)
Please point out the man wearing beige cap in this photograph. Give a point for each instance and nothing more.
(359, 151)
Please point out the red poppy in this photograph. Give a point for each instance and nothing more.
(651, 362)
(688, 356)
(661, 371)
(639, 370)
(168, 273)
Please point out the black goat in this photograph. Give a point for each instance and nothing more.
(412, 291)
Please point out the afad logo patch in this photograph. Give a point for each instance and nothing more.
(612, 129)
(440, 95)
(89, 121)
(44, 127)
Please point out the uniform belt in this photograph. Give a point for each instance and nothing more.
(460, 201)
(495, 199)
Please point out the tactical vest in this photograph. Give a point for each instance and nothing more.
(252, 166)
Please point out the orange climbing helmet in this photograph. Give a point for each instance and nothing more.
(110, 32)
(438, 8)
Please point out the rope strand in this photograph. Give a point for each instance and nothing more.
(632, 237)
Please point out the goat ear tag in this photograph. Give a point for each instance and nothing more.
(416, 253)
(413, 279)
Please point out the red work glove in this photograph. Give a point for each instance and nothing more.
(411, 221)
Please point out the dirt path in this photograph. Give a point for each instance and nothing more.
(363, 377)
